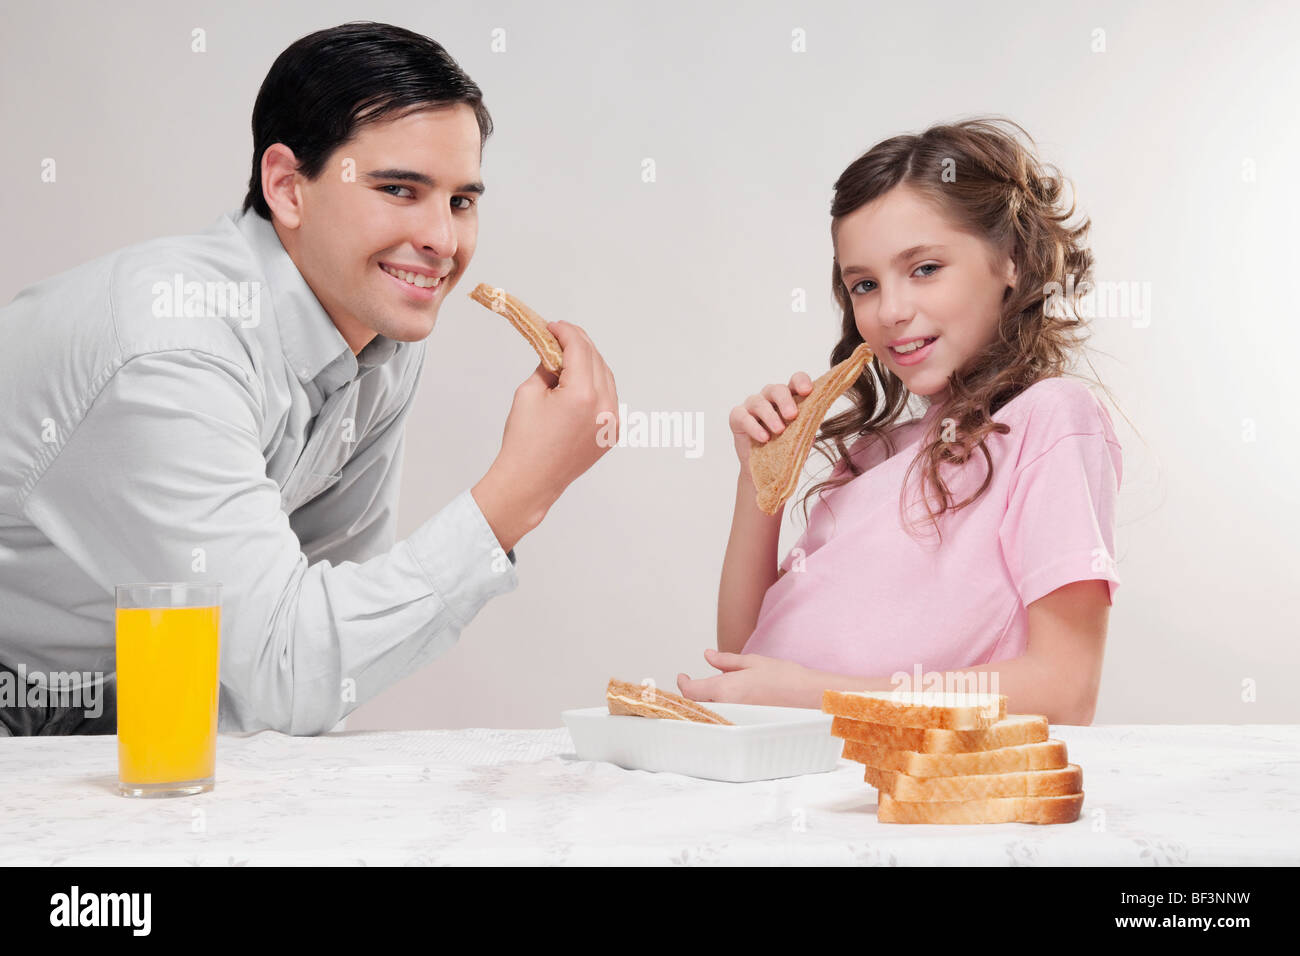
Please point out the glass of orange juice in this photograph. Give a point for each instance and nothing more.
(168, 649)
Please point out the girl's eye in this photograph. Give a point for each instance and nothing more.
(928, 265)
(395, 186)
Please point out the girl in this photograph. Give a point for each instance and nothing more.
(953, 239)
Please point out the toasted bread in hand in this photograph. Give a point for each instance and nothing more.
(531, 325)
(776, 464)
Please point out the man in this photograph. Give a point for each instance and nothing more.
(228, 408)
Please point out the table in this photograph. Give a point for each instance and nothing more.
(1156, 795)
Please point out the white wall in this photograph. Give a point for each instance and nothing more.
(685, 283)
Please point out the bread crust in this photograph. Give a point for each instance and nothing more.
(775, 465)
(1011, 731)
(923, 710)
(1042, 810)
(1025, 783)
(627, 699)
(1047, 755)
(531, 325)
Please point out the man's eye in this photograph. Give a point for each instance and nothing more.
(395, 186)
(469, 201)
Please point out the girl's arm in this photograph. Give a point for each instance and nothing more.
(749, 568)
(1058, 676)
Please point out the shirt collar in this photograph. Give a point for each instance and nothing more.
(312, 345)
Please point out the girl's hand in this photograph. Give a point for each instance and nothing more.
(764, 415)
(754, 679)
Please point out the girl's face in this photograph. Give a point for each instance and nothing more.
(910, 275)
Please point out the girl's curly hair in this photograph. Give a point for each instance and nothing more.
(987, 183)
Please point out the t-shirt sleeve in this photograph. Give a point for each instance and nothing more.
(1059, 526)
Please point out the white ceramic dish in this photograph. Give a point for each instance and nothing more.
(765, 742)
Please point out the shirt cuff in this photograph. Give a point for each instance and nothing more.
(462, 558)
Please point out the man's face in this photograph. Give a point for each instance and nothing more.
(401, 195)
(951, 290)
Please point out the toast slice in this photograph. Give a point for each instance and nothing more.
(1013, 730)
(1023, 783)
(776, 464)
(1061, 809)
(626, 699)
(923, 709)
(1047, 755)
(531, 325)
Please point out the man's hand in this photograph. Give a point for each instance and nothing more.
(550, 437)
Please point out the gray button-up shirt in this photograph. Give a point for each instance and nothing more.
(185, 410)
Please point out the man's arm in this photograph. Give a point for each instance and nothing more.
(355, 519)
(164, 480)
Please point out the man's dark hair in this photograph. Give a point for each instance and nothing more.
(326, 86)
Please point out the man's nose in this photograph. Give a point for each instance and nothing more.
(438, 235)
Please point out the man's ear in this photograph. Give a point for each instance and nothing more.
(280, 185)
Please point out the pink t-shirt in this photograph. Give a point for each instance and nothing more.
(861, 596)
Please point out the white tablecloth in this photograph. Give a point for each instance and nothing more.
(1155, 795)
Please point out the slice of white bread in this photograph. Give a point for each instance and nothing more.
(922, 709)
(1015, 729)
(1063, 809)
(1045, 755)
(1022, 783)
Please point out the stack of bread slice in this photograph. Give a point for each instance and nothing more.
(939, 757)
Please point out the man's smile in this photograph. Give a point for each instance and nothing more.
(423, 284)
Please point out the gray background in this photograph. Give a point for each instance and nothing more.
(685, 283)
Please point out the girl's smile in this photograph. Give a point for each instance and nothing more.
(915, 350)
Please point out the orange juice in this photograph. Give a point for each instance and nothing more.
(167, 694)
